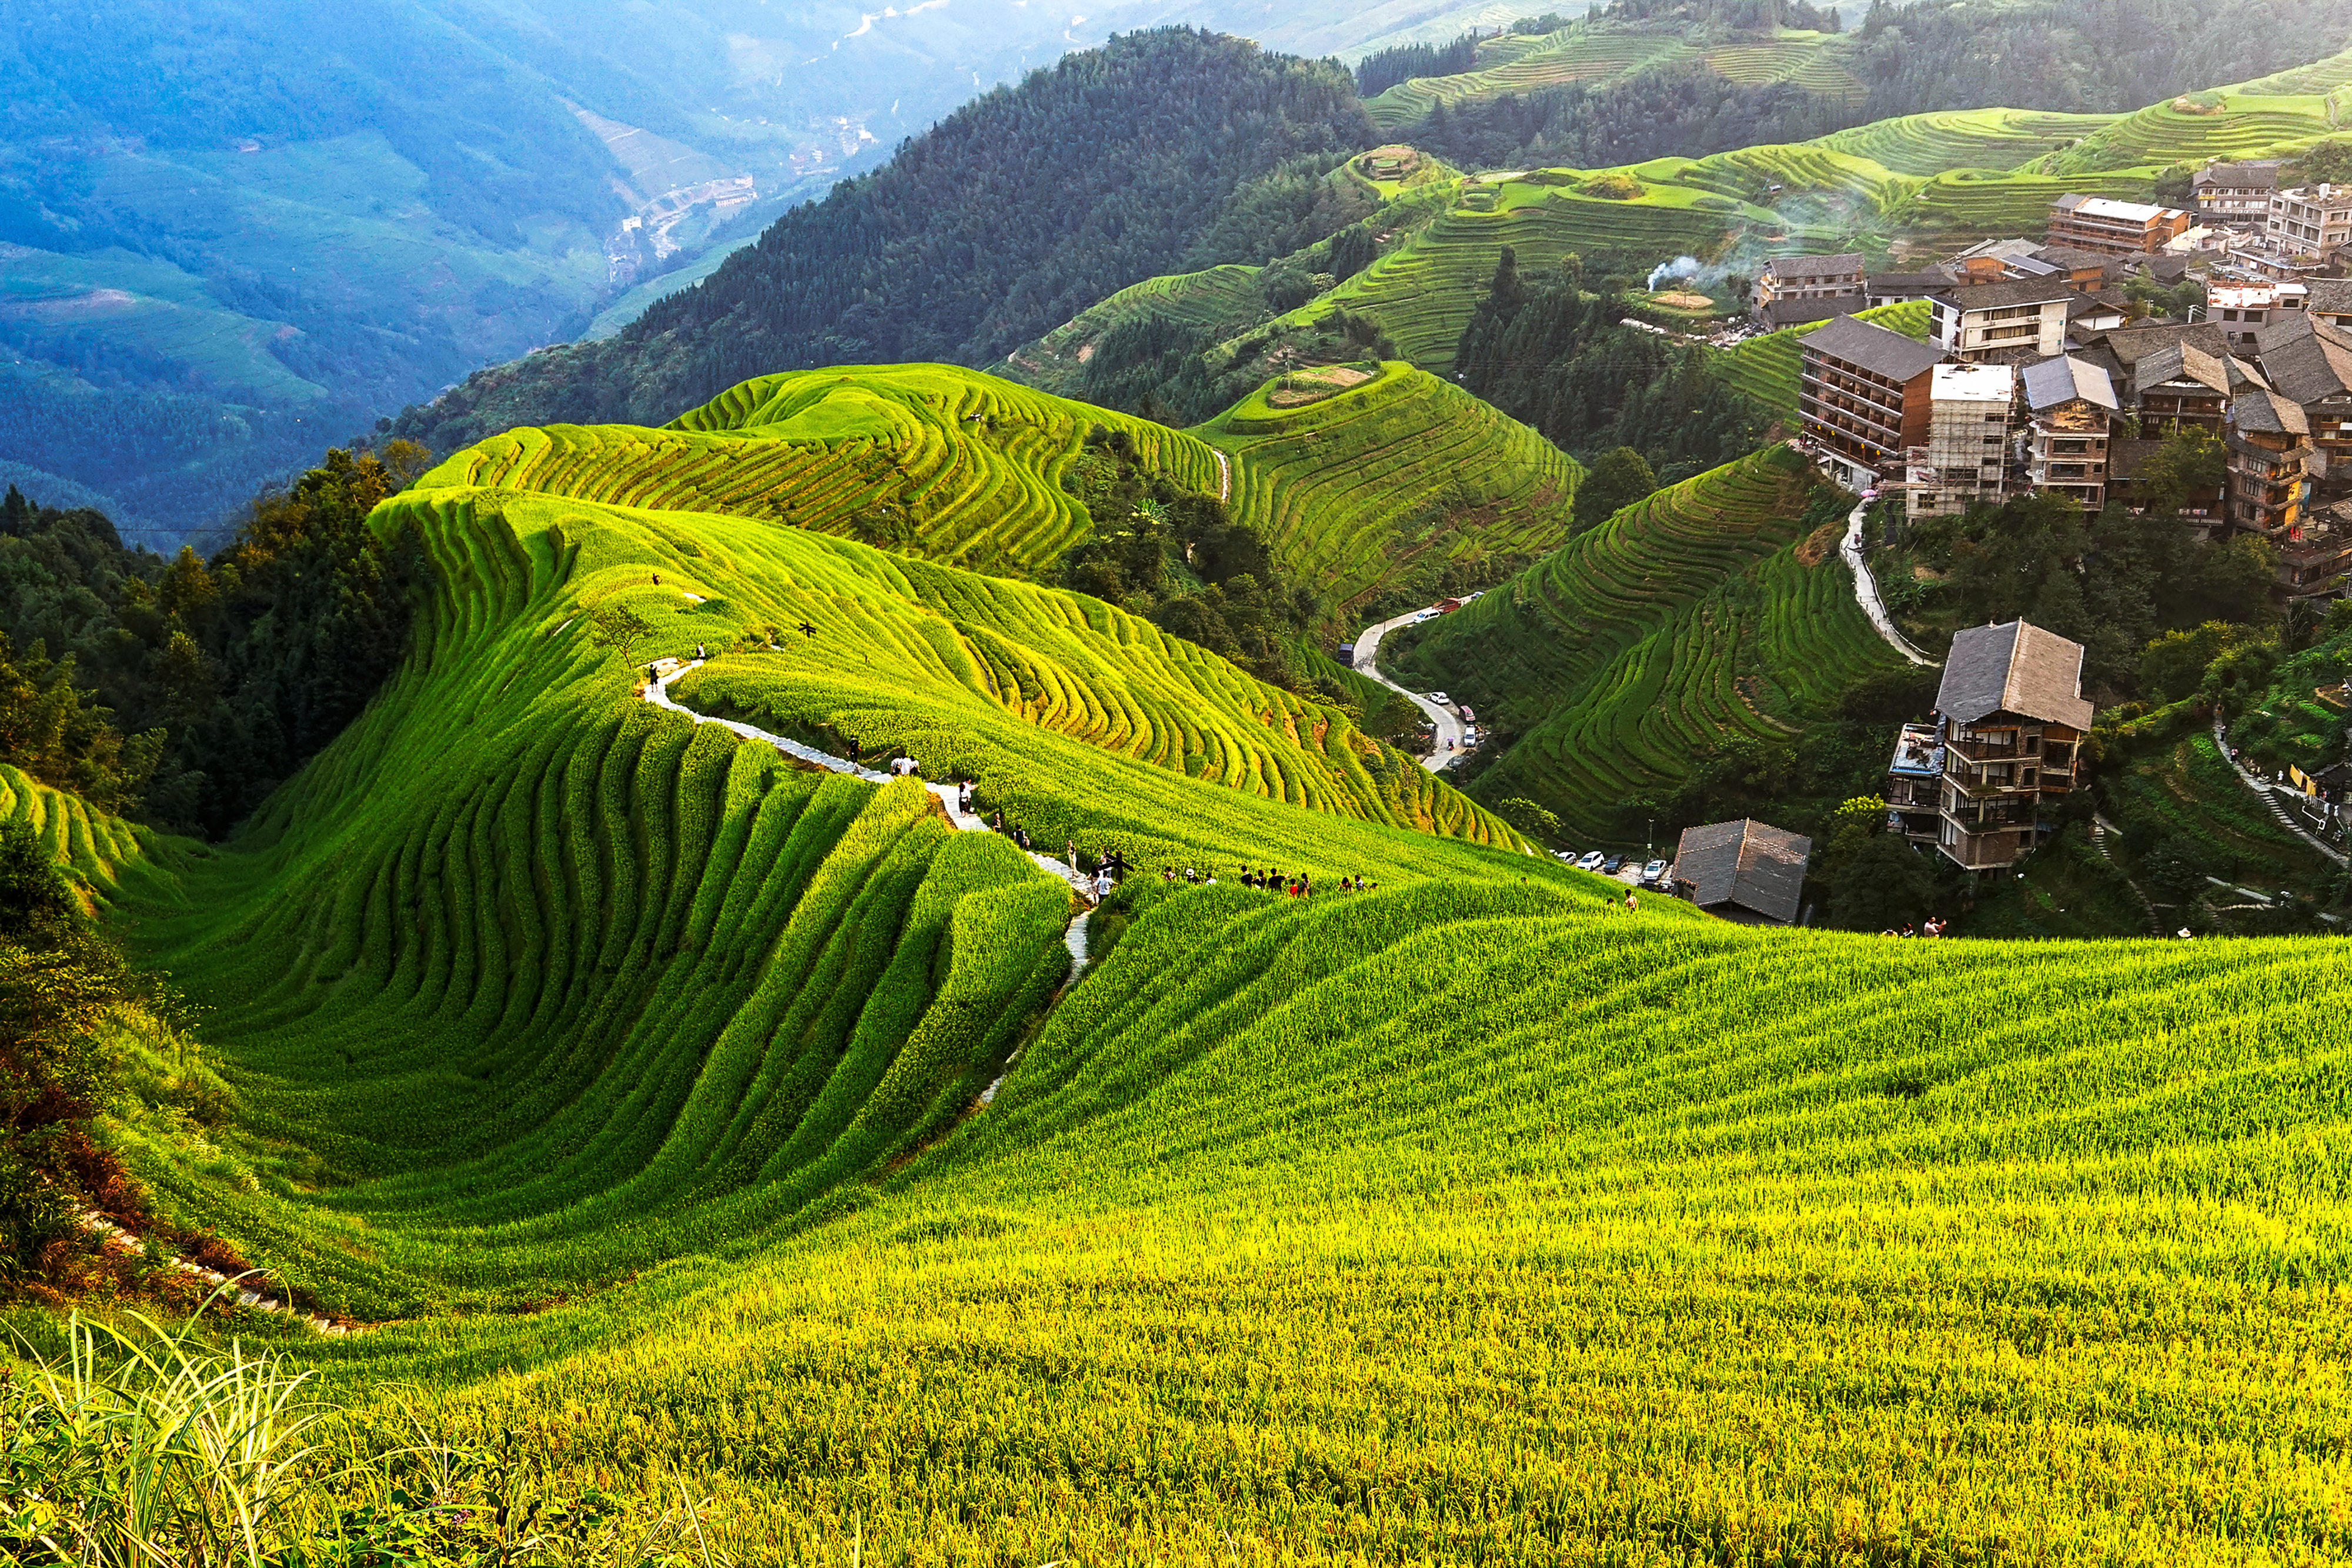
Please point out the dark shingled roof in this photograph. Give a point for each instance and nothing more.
(2127, 460)
(2182, 363)
(2260, 173)
(2304, 358)
(1814, 265)
(2269, 412)
(2014, 668)
(2065, 379)
(1875, 348)
(1746, 863)
(2070, 257)
(2330, 294)
(1797, 312)
(2128, 344)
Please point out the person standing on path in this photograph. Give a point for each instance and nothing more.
(1070, 854)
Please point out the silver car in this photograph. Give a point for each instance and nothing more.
(1593, 860)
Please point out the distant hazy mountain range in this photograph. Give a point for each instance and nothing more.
(230, 234)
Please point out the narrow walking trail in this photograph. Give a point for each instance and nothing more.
(1449, 724)
(1224, 478)
(115, 1238)
(1865, 590)
(669, 670)
(2267, 792)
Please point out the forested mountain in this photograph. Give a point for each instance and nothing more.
(2102, 56)
(1008, 218)
(231, 233)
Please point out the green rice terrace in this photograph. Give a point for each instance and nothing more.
(1693, 617)
(627, 1086)
(1360, 477)
(1924, 181)
(1595, 52)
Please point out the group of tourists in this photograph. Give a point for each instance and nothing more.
(1298, 885)
(1932, 928)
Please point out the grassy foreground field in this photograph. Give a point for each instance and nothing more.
(624, 1077)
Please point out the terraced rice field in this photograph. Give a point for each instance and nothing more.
(559, 900)
(1686, 622)
(1928, 144)
(1353, 490)
(1219, 296)
(1424, 293)
(633, 1075)
(2243, 125)
(964, 467)
(1529, 64)
(1765, 368)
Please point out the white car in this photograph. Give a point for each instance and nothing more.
(1593, 860)
(1440, 699)
(1655, 871)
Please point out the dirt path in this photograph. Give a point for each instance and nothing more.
(1449, 723)
(115, 1238)
(1224, 478)
(1865, 590)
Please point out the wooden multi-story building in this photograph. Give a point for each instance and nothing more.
(2269, 444)
(2069, 405)
(1817, 278)
(1863, 395)
(2180, 386)
(2111, 227)
(2235, 192)
(2012, 318)
(2011, 719)
(2309, 362)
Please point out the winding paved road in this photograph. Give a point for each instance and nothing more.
(1865, 590)
(1449, 724)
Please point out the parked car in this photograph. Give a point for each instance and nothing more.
(1612, 865)
(1567, 855)
(1592, 861)
(1654, 873)
(1440, 699)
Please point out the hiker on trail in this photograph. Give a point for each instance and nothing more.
(997, 826)
(964, 799)
(701, 652)
(1020, 837)
(904, 766)
(1102, 885)
(1070, 852)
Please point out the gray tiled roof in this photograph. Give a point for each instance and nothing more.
(1794, 267)
(1752, 864)
(2014, 668)
(2182, 363)
(2304, 358)
(2128, 344)
(2331, 294)
(2259, 174)
(2269, 412)
(2065, 379)
(1875, 348)
(1797, 312)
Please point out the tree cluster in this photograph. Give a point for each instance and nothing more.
(1175, 557)
(1556, 357)
(2112, 580)
(209, 680)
